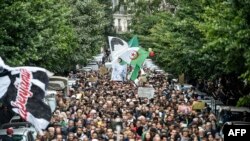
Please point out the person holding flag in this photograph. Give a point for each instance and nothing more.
(134, 56)
(130, 53)
(119, 68)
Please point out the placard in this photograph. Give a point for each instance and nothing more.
(198, 105)
(147, 92)
(103, 70)
(181, 78)
(119, 72)
(143, 78)
(93, 79)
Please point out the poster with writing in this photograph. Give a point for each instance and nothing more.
(119, 72)
(147, 92)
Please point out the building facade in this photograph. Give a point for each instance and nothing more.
(122, 19)
(122, 22)
(123, 16)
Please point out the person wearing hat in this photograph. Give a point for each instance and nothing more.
(9, 133)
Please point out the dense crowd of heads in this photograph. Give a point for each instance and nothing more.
(105, 110)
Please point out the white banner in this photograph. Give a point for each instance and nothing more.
(117, 46)
(147, 92)
(119, 72)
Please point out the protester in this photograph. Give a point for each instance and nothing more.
(94, 109)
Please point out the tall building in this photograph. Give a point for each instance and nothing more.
(122, 12)
(122, 19)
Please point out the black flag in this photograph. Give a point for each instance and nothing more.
(23, 89)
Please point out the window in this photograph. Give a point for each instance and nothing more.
(119, 25)
(129, 23)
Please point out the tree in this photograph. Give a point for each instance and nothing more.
(91, 26)
(173, 36)
(221, 20)
(203, 39)
(244, 101)
(33, 33)
(52, 34)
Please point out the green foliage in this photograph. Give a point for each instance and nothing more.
(90, 22)
(201, 38)
(222, 37)
(33, 33)
(52, 34)
(244, 101)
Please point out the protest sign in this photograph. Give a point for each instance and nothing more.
(181, 78)
(93, 79)
(103, 70)
(198, 105)
(119, 72)
(147, 92)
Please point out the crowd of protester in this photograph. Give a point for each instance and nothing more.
(93, 111)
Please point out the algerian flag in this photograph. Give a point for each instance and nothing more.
(117, 46)
(134, 56)
(133, 42)
(135, 73)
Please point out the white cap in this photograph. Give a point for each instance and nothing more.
(201, 129)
